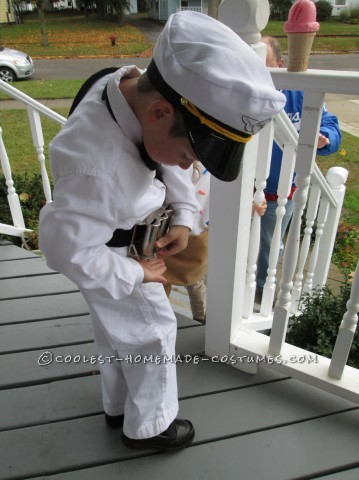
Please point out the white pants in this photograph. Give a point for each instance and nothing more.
(137, 330)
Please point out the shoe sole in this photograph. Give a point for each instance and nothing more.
(140, 446)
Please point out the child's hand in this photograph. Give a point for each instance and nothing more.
(173, 242)
(323, 141)
(260, 209)
(153, 270)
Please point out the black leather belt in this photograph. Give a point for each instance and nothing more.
(121, 238)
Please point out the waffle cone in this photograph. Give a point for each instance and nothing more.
(299, 48)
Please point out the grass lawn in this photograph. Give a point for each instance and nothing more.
(346, 157)
(71, 35)
(47, 89)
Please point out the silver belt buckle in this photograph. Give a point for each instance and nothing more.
(146, 234)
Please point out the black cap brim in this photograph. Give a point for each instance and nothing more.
(221, 156)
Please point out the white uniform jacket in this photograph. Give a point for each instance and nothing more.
(101, 184)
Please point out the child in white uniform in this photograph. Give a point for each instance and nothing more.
(126, 151)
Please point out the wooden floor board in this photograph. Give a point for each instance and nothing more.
(10, 252)
(37, 266)
(42, 285)
(42, 308)
(46, 334)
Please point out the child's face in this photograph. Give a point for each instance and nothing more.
(165, 148)
(172, 151)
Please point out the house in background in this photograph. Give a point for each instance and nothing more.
(7, 14)
(339, 5)
(162, 9)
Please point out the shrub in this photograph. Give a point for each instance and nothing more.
(32, 199)
(279, 9)
(317, 327)
(346, 248)
(349, 15)
(324, 10)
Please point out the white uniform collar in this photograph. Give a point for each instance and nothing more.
(123, 113)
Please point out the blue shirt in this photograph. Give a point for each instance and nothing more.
(329, 127)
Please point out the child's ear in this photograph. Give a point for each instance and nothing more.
(159, 109)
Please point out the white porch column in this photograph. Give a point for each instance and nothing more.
(231, 205)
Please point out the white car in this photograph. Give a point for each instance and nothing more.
(14, 65)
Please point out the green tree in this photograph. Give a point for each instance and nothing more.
(110, 8)
(279, 9)
(40, 9)
(120, 6)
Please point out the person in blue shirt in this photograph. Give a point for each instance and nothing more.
(328, 142)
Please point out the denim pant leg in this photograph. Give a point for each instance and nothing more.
(268, 221)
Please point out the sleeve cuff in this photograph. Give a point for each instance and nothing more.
(183, 217)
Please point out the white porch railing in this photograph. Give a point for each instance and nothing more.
(34, 109)
(232, 327)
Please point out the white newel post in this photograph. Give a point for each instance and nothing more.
(336, 178)
(231, 205)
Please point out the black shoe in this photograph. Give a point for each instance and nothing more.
(114, 421)
(178, 435)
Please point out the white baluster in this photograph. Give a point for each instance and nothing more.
(346, 331)
(322, 218)
(38, 140)
(284, 187)
(262, 172)
(13, 199)
(336, 178)
(312, 210)
(307, 141)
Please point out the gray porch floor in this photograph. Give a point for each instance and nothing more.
(52, 425)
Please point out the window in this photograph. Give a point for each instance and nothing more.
(340, 2)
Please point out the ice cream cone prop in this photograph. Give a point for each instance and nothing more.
(300, 28)
(299, 48)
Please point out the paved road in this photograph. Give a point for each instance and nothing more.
(83, 68)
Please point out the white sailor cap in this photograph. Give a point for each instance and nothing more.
(221, 86)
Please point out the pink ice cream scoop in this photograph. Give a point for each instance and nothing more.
(302, 18)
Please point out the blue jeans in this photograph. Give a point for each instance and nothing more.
(268, 221)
